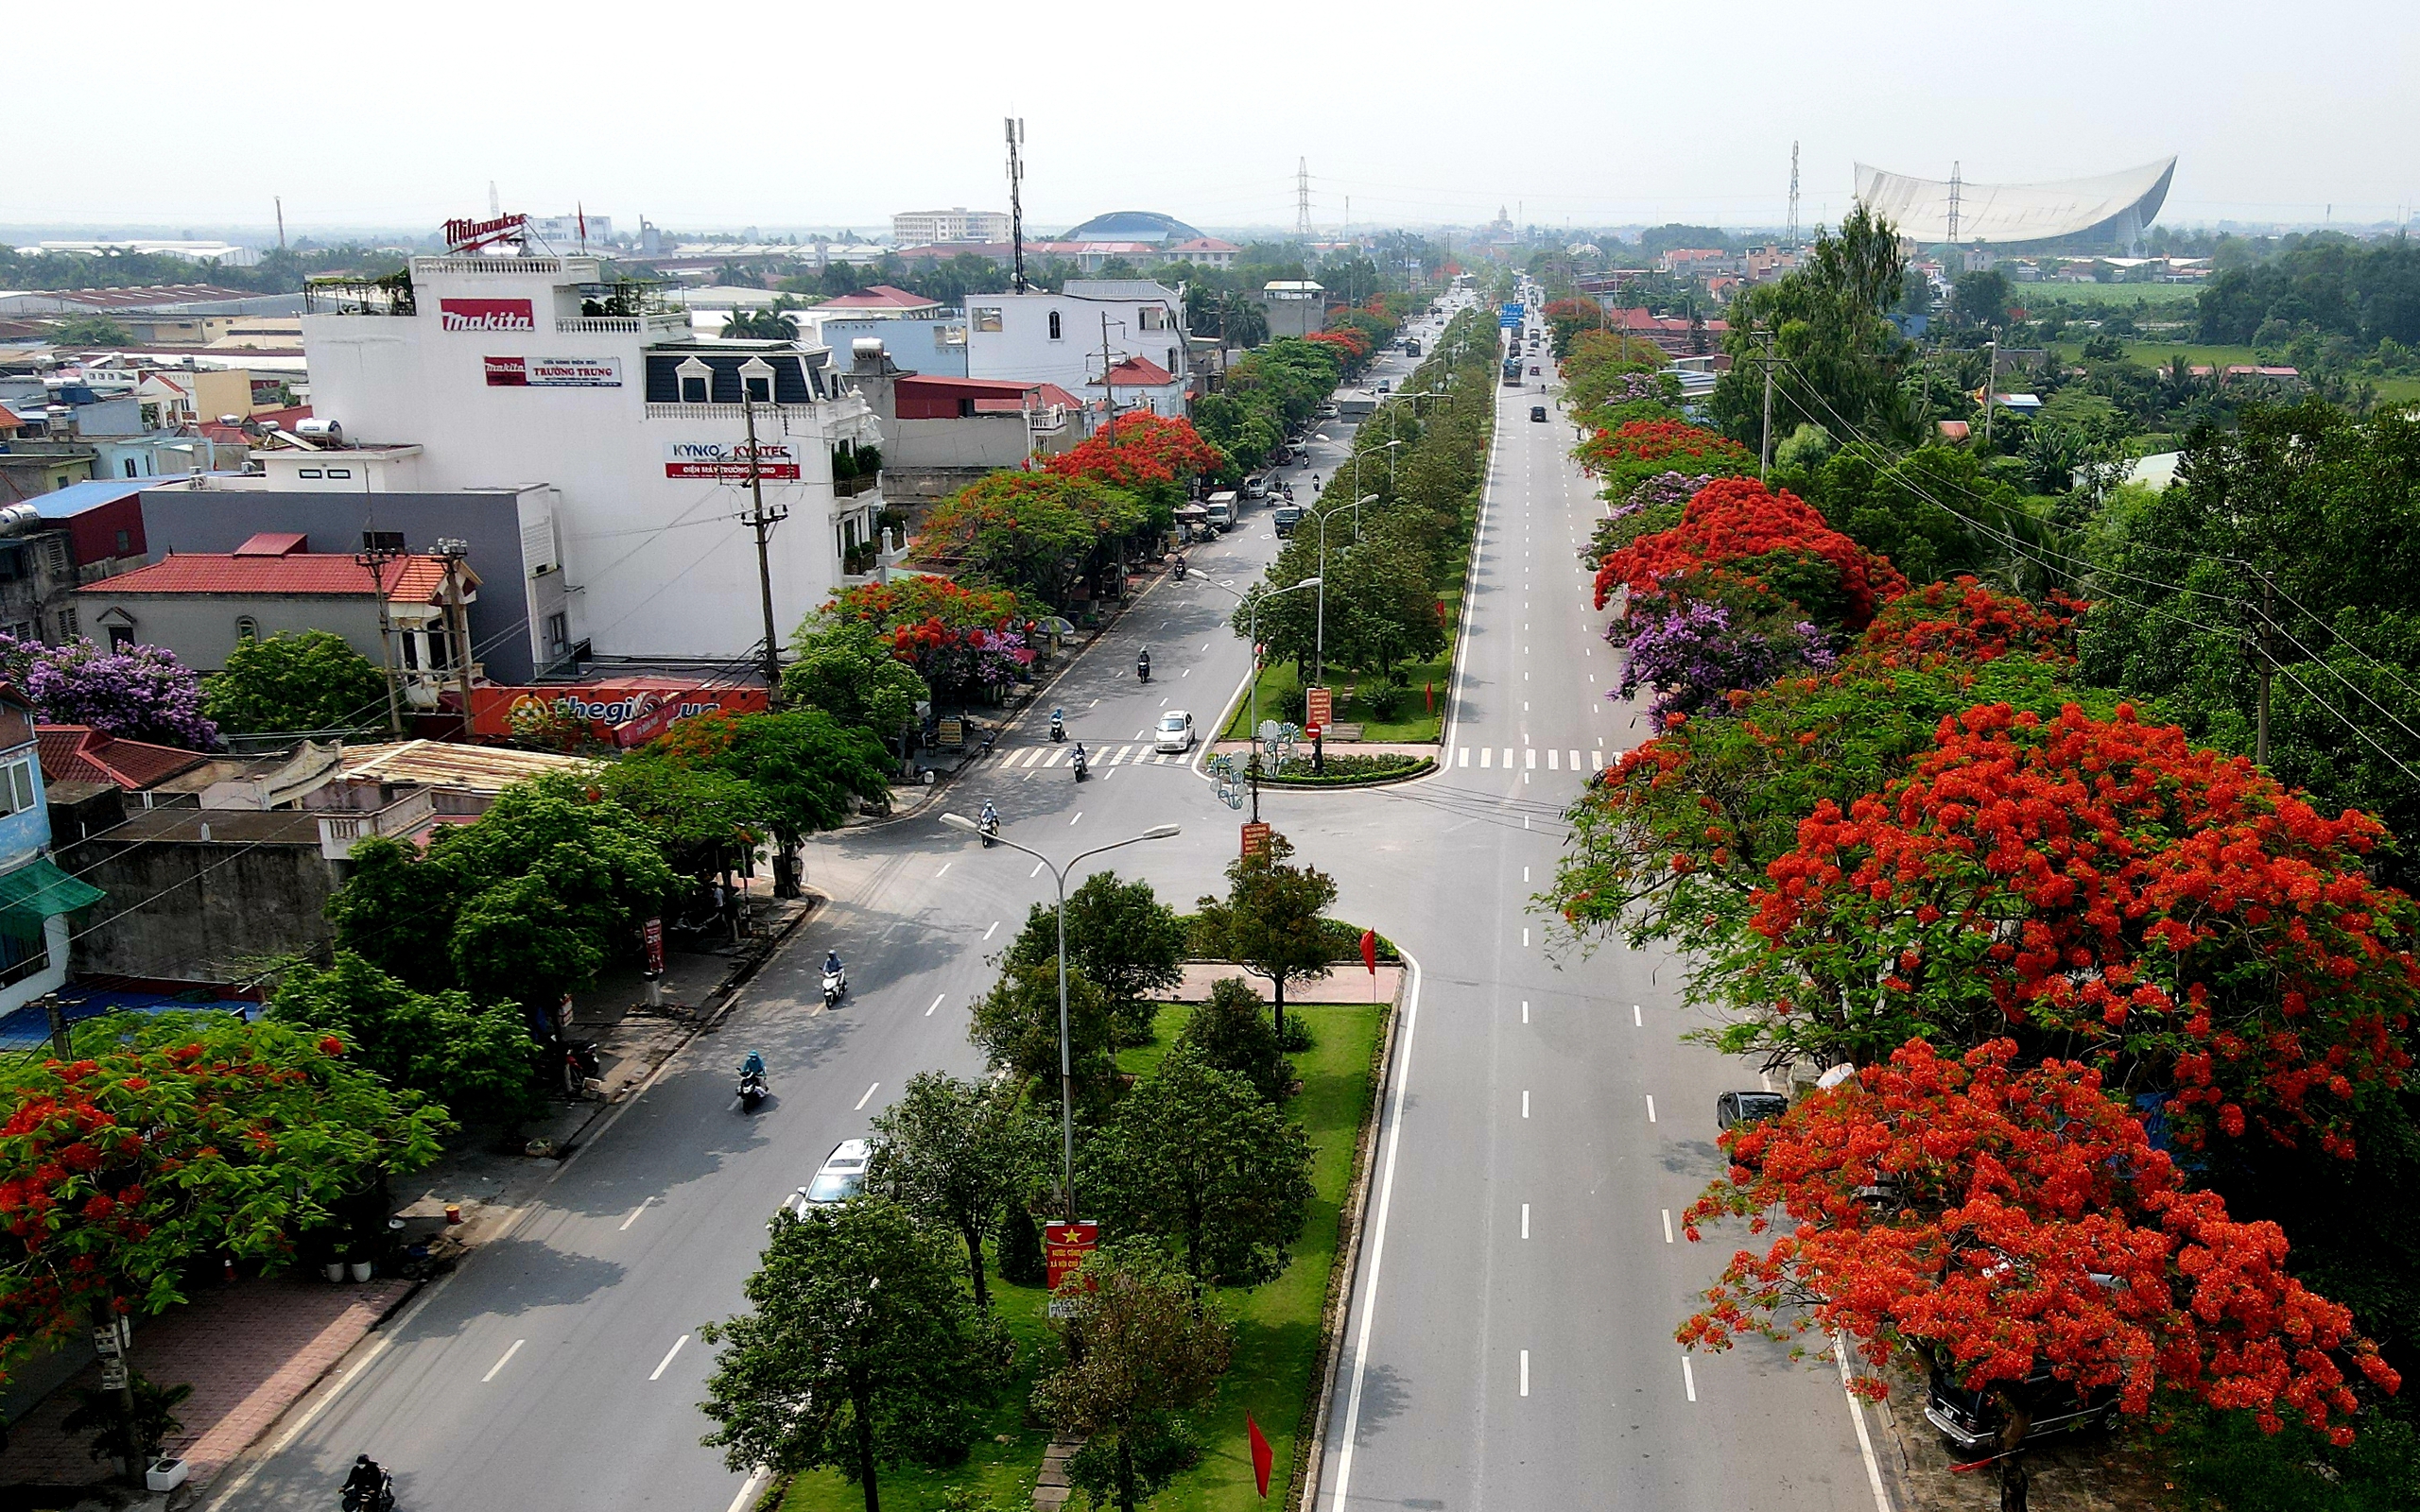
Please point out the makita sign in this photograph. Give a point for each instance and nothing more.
(486, 314)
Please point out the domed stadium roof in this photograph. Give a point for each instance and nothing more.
(2115, 207)
(1133, 226)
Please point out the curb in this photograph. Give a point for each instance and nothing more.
(1337, 1312)
(1425, 766)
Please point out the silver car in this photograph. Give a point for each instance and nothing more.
(841, 1178)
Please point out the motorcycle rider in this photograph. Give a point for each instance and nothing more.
(991, 816)
(832, 963)
(362, 1486)
(1079, 762)
(1143, 664)
(753, 1066)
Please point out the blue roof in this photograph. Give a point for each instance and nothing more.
(72, 500)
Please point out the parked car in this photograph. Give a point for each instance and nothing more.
(1175, 732)
(841, 1177)
(1971, 1420)
(1386, 385)
(1731, 1110)
(1538, 412)
(1258, 484)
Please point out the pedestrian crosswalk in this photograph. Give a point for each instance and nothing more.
(1557, 761)
(1039, 756)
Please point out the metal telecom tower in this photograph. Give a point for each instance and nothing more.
(1015, 129)
(1953, 203)
(1303, 198)
(1793, 199)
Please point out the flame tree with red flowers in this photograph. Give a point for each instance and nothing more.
(175, 1138)
(1998, 1221)
(2095, 888)
(1738, 524)
(1156, 460)
(1640, 449)
(957, 637)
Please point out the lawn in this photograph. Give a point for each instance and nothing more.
(1278, 1324)
(1420, 720)
(2042, 295)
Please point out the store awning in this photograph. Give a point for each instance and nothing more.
(39, 890)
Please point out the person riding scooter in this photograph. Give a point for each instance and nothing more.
(1058, 724)
(1143, 664)
(989, 824)
(1180, 566)
(754, 1088)
(369, 1489)
(1081, 766)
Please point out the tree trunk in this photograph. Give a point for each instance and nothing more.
(1125, 1476)
(1277, 992)
(2014, 1478)
(975, 1264)
(863, 1412)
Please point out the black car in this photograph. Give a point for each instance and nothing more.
(1971, 1420)
(1538, 412)
(1731, 1110)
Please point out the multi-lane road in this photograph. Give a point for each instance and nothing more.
(1511, 1337)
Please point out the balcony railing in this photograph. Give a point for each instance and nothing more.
(851, 488)
(766, 414)
(340, 833)
(620, 324)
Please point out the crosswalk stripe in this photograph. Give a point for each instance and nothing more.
(1532, 754)
(1487, 757)
(1552, 758)
(1052, 759)
(1596, 761)
(1508, 758)
(1466, 757)
(1574, 760)
(1121, 755)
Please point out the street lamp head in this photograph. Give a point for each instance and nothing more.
(960, 821)
(1163, 831)
(1307, 582)
(1367, 498)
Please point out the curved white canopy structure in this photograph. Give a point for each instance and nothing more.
(2117, 205)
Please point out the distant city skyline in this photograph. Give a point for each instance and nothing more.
(1629, 117)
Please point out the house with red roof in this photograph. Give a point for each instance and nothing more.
(406, 611)
(883, 302)
(79, 753)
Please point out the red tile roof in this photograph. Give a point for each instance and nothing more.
(79, 754)
(880, 297)
(1137, 373)
(274, 543)
(413, 579)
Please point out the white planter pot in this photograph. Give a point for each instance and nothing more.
(166, 1474)
(361, 1270)
(333, 1270)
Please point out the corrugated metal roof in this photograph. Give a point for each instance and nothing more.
(448, 764)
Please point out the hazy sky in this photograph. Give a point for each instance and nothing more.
(733, 113)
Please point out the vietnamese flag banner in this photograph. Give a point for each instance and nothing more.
(1263, 1457)
(1370, 951)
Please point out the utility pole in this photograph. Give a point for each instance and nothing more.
(1105, 389)
(1765, 449)
(2268, 659)
(763, 523)
(1793, 203)
(457, 619)
(375, 558)
(1991, 379)
(279, 201)
(1953, 204)
(1015, 126)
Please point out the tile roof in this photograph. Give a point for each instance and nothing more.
(880, 297)
(79, 754)
(1137, 373)
(413, 579)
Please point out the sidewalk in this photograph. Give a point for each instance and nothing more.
(1345, 981)
(253, 1349)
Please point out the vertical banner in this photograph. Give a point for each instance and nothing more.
(1064, 1249)
(1321, 708)
(1255, 838)
(652, 936)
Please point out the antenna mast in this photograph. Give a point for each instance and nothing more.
(1014, 126)
(1953, 203)
(1302, 198)
(1793, 199)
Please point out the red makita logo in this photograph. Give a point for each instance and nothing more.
(486, 314)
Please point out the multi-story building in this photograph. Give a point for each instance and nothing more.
(1068, 339)
(36, 896)
(501, 372)
(916, 227)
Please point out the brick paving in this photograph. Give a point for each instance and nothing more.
(249, 1351)
(1348, 982)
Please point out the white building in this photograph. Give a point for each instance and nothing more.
(1062, 338)
(918, 228)
(566, 233)
(500, 372)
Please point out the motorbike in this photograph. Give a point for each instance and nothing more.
(990, 828)
(835, 985)
(1083, 768)
(1057, 725)
(753, 1090)
(1179, 572)
(1143, 669)
(382, 1499)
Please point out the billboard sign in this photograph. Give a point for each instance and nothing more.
(1064, 1249)
(727, 461)
(625, 716)
(1321, 706)
(554, 373)
(486, 314)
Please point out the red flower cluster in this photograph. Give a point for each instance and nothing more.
(2025, 1221)
(1679, 446)
(1732, 520)
(2164, 909)
(1965, 620)
(1345, 339)
(1144, 449)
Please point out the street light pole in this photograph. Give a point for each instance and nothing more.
(1251, 695)
(1066, 1064)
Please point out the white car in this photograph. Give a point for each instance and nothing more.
(1175, 732)
(842, 1173)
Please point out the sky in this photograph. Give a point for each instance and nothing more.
(783, 115)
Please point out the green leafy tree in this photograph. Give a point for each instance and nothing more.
(308, 680)
(1153, 1348)
(480, 1061)
(1980, 299)
(1233, 1032)
(90, 331)
(849, 672)
(1838, 358)
(1124, 940)
(1893, 505)
(1016, 1026)
(859, 1352)
(810, 766)
(1269, 923)
(1196, 1157)
(1033, 532)
(957, 1155)
(703, 817)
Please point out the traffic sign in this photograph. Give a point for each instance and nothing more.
(1323, 709)
(1255, 838)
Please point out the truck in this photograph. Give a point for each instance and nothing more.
(1221, 508)
(1286, 517)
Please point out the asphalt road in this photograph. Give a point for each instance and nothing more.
(1511, 1339)
(559, 1367)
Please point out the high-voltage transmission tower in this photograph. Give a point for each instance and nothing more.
(1303, 198)
(1016, 129)
(1793, 199)
(1953, 203)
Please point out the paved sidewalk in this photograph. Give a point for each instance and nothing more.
(1346, 982)
(247, 1351)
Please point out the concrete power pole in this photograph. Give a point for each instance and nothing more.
(762, 521)
(1765, 448)
(376, 559)
(1110, 394)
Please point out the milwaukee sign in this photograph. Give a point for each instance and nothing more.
(463, 235)
(486, 314)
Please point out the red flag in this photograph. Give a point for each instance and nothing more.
(1370, 951)
(1262, 1456)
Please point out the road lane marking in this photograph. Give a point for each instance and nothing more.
(1689, 1379)
(1525, 873)
(501, 1364)
(1525, 1010)
(1574, 760)
(658, 1373)
(1636, 1021)
(1036, 871)
(1187, 673)
(1525, 1101)
(1525, 1372)
(1668, 1226)
(633, 1217)
(944, 871)
(1596, 758)
(996, 924)
(938, 999)
(1080, 814)
(1651, 1108)
(746, 1493)
(1466, 757)
(1507, 750)
(1486, 758)
(1525, 1220)
(867, 1098)
(1525, 936)
(1864, 1440)
(1532, 754)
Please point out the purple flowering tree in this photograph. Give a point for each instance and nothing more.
(1694, 650)
(1663, 489)
(143, 693)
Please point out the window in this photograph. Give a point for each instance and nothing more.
(1151, 316)
(987, 316)
(382, 540)
(339, 472)
(557, 634)
(130, 467)
(760, 388)
(306, 472)
(1171, 362)
(411, 651)
(68, 630)
(56, 558)
(694, 390)
(247, 627)
(23, 951)
(125, 541)
(1055, 332)
(17, 785)
(438, 658)
(120, 637)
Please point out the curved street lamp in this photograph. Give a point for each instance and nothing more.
(1252, 635)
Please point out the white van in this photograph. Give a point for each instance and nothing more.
(1221, 508)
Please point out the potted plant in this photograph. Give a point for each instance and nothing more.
(127, 1439)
